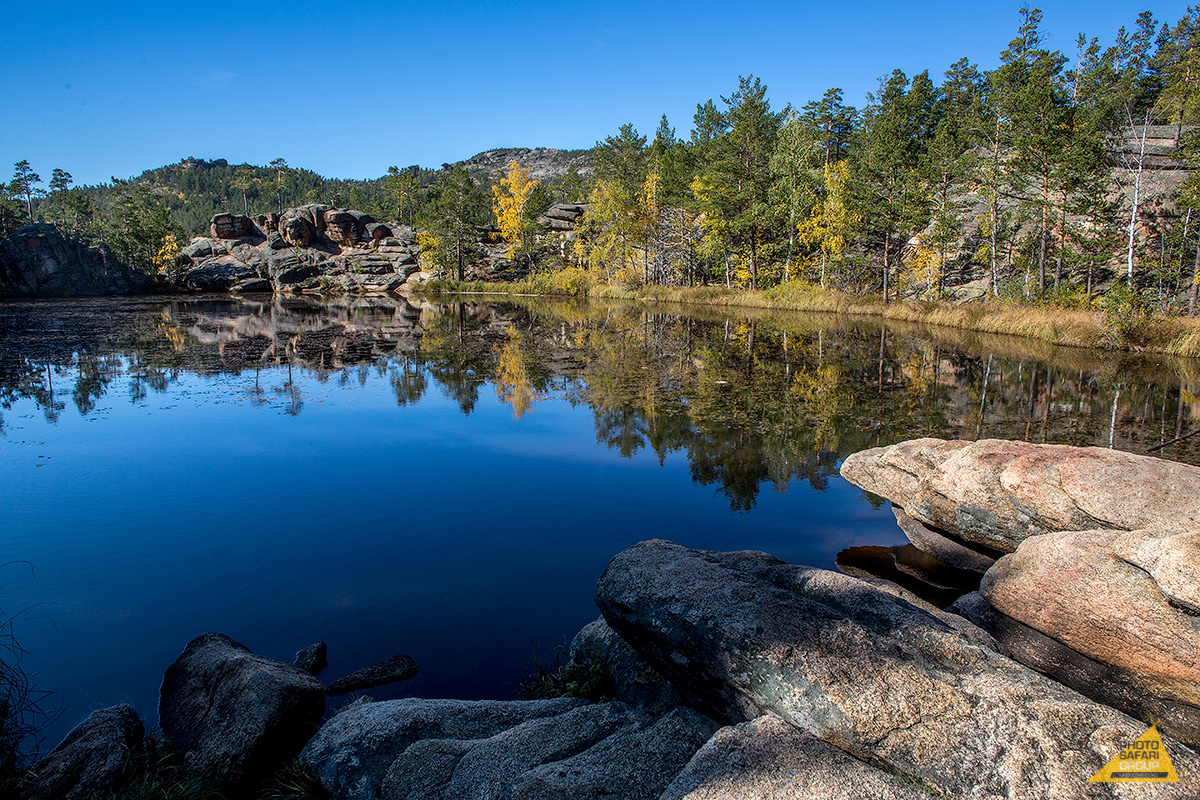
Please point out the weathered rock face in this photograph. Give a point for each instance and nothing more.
(312, 248)
(218, 274)
(637, 762)
(1080, 589)
(996, 493)
(88, 762)
(767, 759)
(494, 763)
(225, 709)
(232, 226)
(741, 635)
(40, 261)
(941, 547)
(298, 231)
(353, 751)
(562, 216)
(313, 659)
(634, 681)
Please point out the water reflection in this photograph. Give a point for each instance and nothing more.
(751, 400)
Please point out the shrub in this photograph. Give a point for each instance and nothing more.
(591, 681)
(1125, 314)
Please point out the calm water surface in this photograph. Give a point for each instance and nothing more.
(449, 480)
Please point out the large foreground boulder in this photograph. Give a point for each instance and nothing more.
(767, 759)
(636, 762)
(743, 634)
(225, 710)
(1096, 592)
(996, 493)
(353, 751)
(88, 762)
(41, 261)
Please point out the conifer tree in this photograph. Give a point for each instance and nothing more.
(25, 184)
(735, 187)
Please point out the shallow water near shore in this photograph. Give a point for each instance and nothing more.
(448, 479)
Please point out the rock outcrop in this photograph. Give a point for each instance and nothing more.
(390, 670)
(313, 659)
(225, 710)
(527, 750)
(1087, 591)
(311, 248)
(41, 261)
(896, 686)
(323, 250)
(996, 493)
(88, 762)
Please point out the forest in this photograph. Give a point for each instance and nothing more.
(1053, 178)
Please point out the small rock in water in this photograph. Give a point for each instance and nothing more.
(312, 659)
(390, 670)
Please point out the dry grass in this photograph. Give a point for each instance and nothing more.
(1176, 336)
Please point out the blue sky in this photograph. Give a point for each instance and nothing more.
(346, 89)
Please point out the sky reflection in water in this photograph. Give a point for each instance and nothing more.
(450, 481)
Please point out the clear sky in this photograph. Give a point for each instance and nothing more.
(106, 89)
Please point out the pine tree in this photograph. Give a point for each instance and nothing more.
(735, 187)
(887, 155)
(25, 184)
(457, 208)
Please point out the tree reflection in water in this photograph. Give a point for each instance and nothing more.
(752, 399)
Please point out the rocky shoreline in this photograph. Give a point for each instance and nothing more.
(310, 249)
(739, 675)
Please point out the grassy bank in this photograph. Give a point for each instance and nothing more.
(1116, 327)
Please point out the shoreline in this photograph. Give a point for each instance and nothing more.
(1174, 336)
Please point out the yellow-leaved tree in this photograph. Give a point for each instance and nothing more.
(166, 254)
(510, 200)
(831, 220)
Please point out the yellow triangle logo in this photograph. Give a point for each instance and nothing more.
(1145, 760)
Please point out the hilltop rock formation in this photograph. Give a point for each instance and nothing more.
(540, 162)
(41, 261)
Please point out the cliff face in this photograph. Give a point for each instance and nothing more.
(41, 261)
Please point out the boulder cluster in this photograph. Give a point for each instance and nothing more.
(313, 248)
(226, 714)
(316, 248)
(737, 675)
(1090, 560)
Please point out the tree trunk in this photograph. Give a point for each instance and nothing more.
(887, 240)
(1195, 281)
(753, 260)
(1137, 194)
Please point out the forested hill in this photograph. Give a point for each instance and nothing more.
(194, 189)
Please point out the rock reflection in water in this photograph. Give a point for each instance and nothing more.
(762, 398)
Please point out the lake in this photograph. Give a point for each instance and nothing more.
(448, 479)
